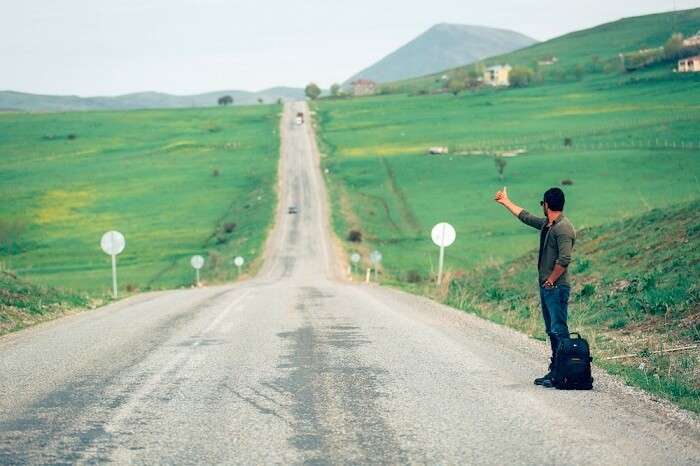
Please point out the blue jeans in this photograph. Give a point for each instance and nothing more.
(555, 303)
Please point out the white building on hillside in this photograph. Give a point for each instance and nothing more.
(363, 87)
(497, 75)
(548, 61)
(689, 65)
(692, 40)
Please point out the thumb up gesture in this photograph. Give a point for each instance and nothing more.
(501, 196)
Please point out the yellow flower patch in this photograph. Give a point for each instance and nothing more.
(384, 150)
(57, 206)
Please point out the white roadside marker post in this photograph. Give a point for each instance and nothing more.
(238, 262)
(375, 258)
(197, 263)
(443, 235)
(354, 259)
(115, 290)
(113, 243)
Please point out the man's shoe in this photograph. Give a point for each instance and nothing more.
(545, 380)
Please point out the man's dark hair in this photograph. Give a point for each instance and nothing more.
(554, 197)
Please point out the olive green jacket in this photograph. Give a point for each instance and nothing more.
(558, 244)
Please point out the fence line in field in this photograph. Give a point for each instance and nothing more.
(495, 147)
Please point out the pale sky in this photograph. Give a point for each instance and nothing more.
(108, 47)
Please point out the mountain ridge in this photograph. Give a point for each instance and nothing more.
(443, 46)
(25, 101)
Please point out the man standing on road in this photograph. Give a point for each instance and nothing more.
(557, 237)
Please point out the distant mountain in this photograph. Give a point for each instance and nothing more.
(441, 47)
(10, 100)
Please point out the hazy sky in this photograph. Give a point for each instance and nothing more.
(105, 47)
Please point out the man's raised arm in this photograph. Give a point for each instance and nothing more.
(502, 198)
(526, 217)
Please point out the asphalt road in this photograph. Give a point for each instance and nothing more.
(298, 366)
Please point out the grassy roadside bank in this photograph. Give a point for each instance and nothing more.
(23, 304)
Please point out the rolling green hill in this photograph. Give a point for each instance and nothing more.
(609, 39)
(589, 47)
(174, 182)
(443, 46)
(20, 101)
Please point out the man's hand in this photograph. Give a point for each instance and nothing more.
(502, 196)
(554, 276)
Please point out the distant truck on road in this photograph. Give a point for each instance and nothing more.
(300, 118)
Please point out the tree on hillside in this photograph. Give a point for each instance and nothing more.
(260, 100)
(335, 90)
(501, 163)
(225, 100)
(457, 82)
(386, 89)
(521, 76)
(455, 86)
(614, 65)
(673, 46)
(312, 91)
(596, 65)
(475, 75)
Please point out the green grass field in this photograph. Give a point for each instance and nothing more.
(174, 182)
(636, 145)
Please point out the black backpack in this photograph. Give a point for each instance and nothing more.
(572, 364)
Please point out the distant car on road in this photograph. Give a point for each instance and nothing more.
(292, 210)
(300, 118)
